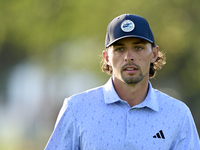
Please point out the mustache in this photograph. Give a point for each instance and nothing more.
(130, 64)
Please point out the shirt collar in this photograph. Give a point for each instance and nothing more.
(110, 96)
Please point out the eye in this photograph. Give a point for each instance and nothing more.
(138, 48)
(119, 49)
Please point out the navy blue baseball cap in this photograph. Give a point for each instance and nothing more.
(128, 25)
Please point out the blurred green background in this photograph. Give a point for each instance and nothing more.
(50, 49)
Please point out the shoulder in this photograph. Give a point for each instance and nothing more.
(169, 103)
(174, 111)
(89, 96)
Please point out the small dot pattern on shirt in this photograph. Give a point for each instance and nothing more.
(99, 120)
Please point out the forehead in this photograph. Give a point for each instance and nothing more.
(130, 40)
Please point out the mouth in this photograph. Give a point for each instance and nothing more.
(130, 69)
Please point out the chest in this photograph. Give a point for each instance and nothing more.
(131, 129)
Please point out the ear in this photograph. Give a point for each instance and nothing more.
(155, 51)
(105, 56)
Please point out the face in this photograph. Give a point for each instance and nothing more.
(130, 59)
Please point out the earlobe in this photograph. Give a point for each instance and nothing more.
(155, 53)
(105, 56)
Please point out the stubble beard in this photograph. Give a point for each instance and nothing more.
(131, 79)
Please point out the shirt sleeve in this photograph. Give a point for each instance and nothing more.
(188, 136)
(65, 135)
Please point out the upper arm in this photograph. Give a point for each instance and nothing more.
(188, 136)
(65, 134)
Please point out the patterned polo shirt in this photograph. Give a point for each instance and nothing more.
(99, 120)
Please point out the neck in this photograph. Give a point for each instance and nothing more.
(134, 94)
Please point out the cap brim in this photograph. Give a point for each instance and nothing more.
(128, 36)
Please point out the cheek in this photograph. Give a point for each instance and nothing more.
(144, 62)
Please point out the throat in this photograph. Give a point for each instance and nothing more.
(133, 94)
(134, 99)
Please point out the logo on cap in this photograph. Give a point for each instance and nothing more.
(127, 26)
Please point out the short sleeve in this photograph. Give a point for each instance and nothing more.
(188, 137)
(65, 135)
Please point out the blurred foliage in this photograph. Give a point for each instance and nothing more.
(70, 34)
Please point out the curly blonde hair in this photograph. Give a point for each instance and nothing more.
(154, 67)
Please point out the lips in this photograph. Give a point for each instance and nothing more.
(130, 69)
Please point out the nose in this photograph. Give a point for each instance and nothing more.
(129, 56)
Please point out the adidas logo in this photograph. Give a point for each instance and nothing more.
(159, 135)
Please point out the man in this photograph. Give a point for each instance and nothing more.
(126, 113)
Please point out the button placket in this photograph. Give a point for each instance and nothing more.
(129, 126)
(131, 123)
